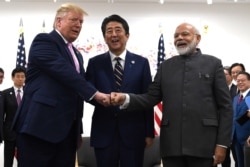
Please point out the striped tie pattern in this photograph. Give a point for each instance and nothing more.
(118, 73)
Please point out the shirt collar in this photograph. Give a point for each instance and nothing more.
(15, 88)
(62, 36)
(122, 55)
(245, 93)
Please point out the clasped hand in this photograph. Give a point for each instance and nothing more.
(110, 99)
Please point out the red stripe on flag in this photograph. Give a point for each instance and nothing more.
(157, 118)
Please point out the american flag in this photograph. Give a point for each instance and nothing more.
(158, 107)
(21, 56)
(161, 51)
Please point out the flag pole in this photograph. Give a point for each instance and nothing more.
(43, 27)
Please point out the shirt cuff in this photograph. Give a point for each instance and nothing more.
(222, 146)
(126, 102)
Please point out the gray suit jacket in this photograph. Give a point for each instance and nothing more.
(197, 108)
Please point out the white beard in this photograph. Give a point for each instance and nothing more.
(187, 50)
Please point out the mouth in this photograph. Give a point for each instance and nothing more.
(75, 31)
(181, 44)
(114, 40)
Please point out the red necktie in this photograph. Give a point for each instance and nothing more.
(240, 99)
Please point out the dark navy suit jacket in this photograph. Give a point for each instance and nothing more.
(10, 108)
(133, 127)
(1, 117)
(54, 91)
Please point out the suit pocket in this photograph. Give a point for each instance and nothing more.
(45, 100)
(210, 122)
(164, 122)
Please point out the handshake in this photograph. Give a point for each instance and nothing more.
(114, 98)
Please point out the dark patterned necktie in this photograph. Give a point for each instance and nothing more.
(18, 96)
(240, 99)
(118, 73)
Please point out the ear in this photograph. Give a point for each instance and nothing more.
(127, 35)
(198, 38)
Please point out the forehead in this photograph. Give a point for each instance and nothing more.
(236, 68)
(114, 24)
(241, 76)
(226, 71)
(184, 27)
(73, 13)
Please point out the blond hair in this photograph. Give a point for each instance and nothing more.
(65, 8)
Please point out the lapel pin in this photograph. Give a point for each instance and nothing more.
(133, 62)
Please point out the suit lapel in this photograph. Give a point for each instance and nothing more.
(64, 48)
(107, 64)
(129, 65)
(12, 95)
(242, 106)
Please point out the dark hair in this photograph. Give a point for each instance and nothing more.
(115, 18)
(237, 64)
(227, 68)
(1, 70)
(244, 73)
(17, 70)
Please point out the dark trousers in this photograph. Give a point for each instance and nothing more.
(227, 161)
(118, 154)
(9, 152)
(35, 152)
(234, 155)
(187, 161)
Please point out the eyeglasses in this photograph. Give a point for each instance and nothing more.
(241, 80)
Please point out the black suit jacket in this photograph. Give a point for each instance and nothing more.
(10, 108)
(233, 91)
(1, 117)
(197, 108)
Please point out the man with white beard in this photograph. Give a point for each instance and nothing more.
(197, 109)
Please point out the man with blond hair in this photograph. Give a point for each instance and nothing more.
(48, 121)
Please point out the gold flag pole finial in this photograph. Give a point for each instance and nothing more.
(160, 28)
(21, 26)
(43, 27)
